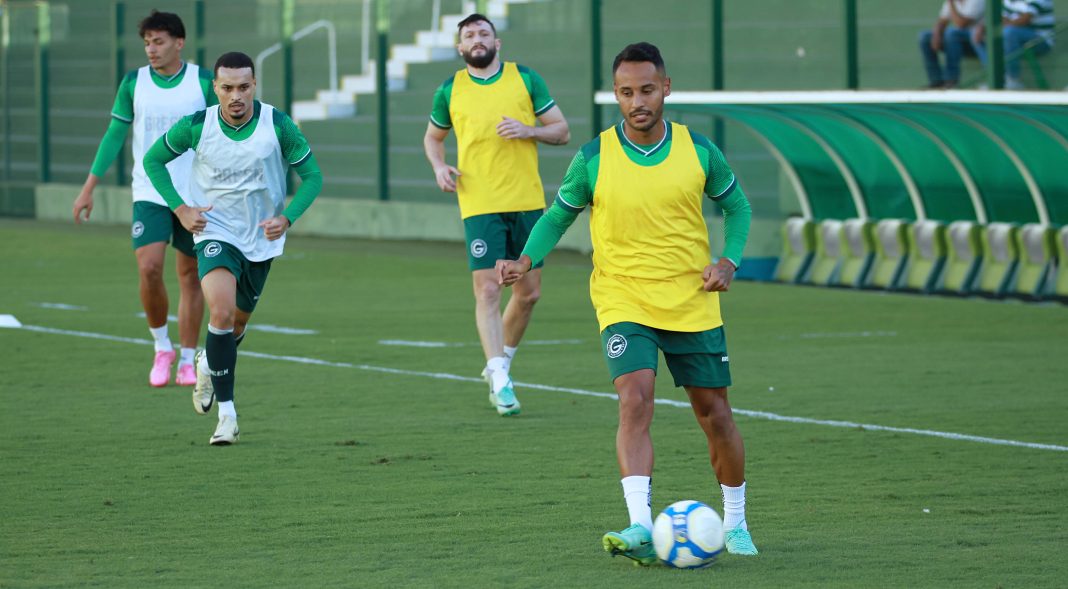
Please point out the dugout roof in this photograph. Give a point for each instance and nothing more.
(952, 155)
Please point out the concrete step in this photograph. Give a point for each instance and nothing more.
(421, 53)
(316, 110)
(443, 38)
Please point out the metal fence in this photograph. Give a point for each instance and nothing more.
(60, 62)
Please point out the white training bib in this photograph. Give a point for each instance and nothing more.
(155, 111)
(243, 181)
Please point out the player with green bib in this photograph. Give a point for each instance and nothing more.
(653, 284)
(494, 107)
(236, 211)
(151, 99)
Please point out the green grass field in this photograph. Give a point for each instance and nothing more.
(375, 468)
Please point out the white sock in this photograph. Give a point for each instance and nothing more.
(187, 355)
(227, 408)
(498, 372)
(637, 491)
(734, 507)
(202, 366)
(509, 353)
(163, 341)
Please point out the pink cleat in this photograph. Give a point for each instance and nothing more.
(187, 375)
(161, 369)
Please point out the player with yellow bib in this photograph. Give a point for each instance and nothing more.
(654, 285)
(494, 107)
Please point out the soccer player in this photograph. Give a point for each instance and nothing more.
(236, 212)
(653, 285)
(494, 106)
(151, 99)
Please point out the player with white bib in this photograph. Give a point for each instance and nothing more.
(151, 99)
(236, 212)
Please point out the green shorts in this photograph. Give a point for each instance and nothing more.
(153, 223)
(497, 236)
(251, 276)
(696, 359)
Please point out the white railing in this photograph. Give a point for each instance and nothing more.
(365, 39)
(435, 17)
(331, 42)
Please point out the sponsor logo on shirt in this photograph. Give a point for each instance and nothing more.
(157, 125)
(237, 175)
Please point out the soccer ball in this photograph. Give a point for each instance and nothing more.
(688, 535)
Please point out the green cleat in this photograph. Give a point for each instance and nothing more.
(505, 401)
(739, 542)
(635, 543)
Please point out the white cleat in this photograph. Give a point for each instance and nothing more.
(203, 391)
(226, 432)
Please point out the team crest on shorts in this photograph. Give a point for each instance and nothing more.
(138, 229)
(478, 248)
(212, 249)
(617, 344)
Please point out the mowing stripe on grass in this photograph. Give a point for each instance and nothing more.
(669, 402)
(422, 344)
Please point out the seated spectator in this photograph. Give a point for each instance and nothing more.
(1022, 21)
(952, 35)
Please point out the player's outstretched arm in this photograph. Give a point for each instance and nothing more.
(434, 146)
(109, 149)
(544, 236)
(83, 204)
(155, 162)
(311, 184)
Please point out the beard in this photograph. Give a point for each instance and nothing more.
(651, 121)
(481, 61)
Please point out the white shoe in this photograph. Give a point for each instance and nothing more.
(203, 391)
(226, 433)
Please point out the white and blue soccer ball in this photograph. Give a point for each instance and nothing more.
(688, 535)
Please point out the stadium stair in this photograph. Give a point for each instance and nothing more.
(430, 46)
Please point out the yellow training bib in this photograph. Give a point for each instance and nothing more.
(497, 175)
(650, 241)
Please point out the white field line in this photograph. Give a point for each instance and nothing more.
(424, 344)
(669, 402)
(257, 327)
(61, 306)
